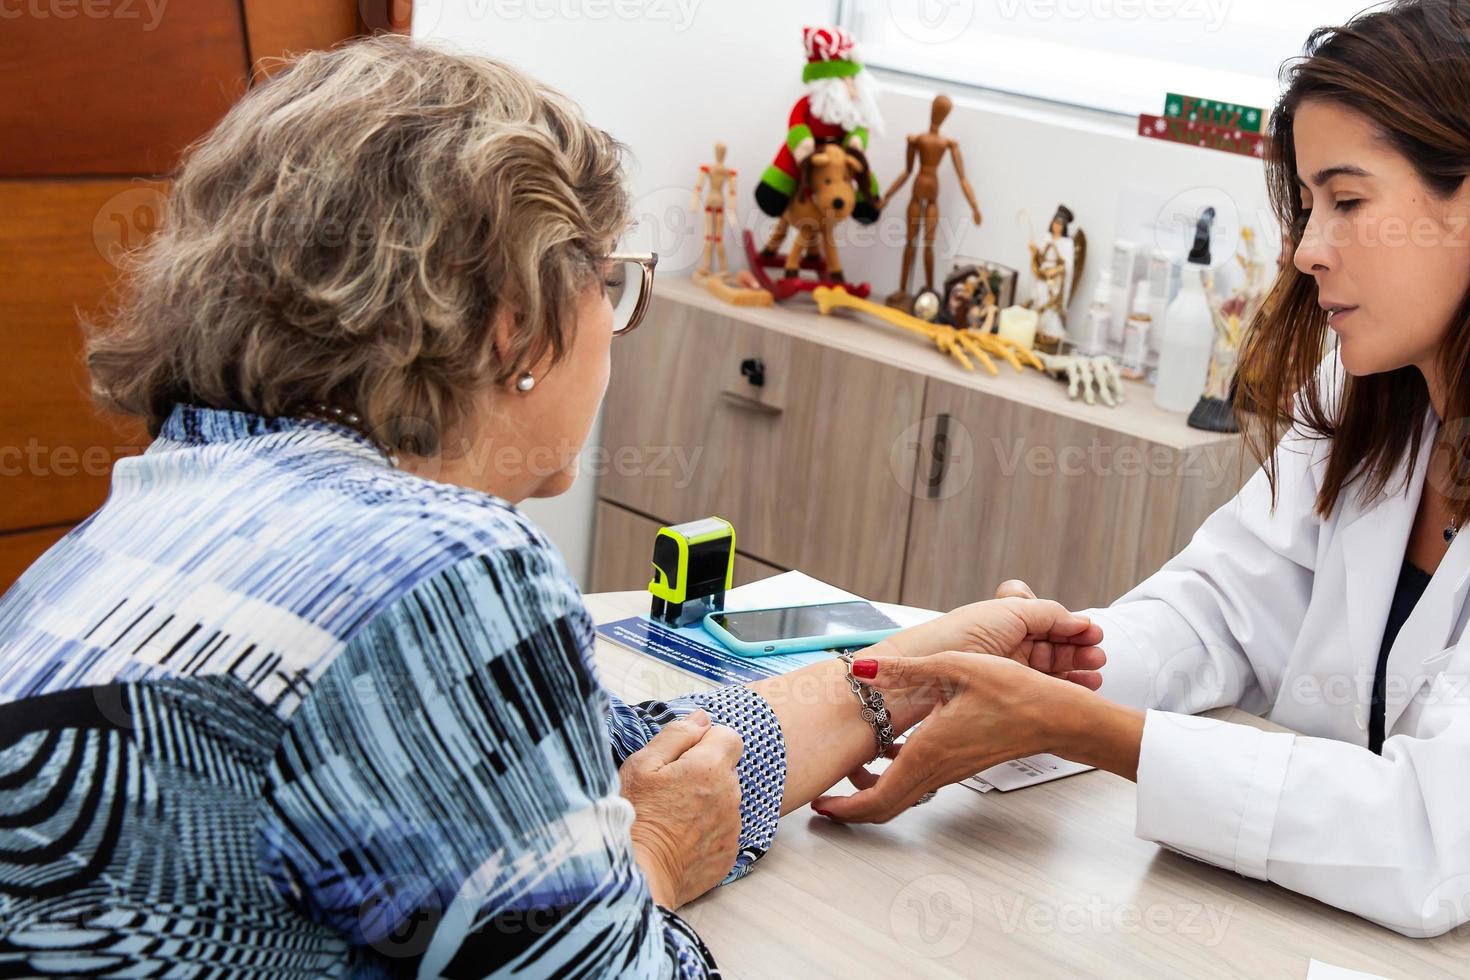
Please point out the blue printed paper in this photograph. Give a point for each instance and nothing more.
(694, 650)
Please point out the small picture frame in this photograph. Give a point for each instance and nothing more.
(1003, 278)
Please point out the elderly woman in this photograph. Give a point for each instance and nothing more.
(308, 696)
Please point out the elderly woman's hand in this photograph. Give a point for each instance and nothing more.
(686, 795)
(1039, 633)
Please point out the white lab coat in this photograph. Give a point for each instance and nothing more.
(1283, 614)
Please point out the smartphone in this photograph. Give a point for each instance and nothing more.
(797, 629)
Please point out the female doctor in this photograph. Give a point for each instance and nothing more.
(1330, 594)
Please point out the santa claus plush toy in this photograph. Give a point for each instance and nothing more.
(839, 107)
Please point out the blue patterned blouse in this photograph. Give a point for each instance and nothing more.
(279, 709)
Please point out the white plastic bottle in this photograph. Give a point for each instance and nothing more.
(1122, 276)
(1134, 362)
(1162, 274)
(1092, 332)
(1189, 338)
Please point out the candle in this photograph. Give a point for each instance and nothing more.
(1019, 324)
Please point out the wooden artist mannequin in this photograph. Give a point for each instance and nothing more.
(717, 182)
(929, 149)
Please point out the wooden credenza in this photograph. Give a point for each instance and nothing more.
(866, 459)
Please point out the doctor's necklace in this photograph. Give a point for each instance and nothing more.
(1452, 529)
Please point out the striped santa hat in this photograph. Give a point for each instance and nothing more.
(829, 53)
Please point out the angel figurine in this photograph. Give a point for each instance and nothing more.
(1057, 267)
(717, 182)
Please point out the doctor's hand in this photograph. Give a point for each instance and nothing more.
(983, 711)
(1033, 633)
(1036, 633)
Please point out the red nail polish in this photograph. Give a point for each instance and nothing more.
(865, 668)
(825, 814)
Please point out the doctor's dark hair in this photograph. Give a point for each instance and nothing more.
(1406, 67)
(351, 233)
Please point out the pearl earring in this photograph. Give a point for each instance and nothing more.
(525, 382)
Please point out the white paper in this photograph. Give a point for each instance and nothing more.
(800, 589)
(1019, 773)
(1317, 970)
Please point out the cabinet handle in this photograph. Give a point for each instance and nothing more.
(751, 404)
(753, 369)
(939, 456)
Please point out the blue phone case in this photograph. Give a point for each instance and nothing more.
(796, 644)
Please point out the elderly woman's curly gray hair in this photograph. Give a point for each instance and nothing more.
(349, 234)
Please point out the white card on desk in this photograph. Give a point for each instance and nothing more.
(1317, 970)
(1024, 772)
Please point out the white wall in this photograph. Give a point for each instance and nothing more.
(1023, 158)
(669, 77)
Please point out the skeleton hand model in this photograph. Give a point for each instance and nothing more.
(961, 344)
(1092, 377)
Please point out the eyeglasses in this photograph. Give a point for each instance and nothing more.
(629, 288)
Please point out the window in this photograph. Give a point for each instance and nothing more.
(1117, 55)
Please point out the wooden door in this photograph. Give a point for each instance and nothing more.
(97, 103)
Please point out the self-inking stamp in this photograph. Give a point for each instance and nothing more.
(693, 566)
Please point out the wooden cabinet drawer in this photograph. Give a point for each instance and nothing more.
(623, 544)
(814, 467)
(1082, 513)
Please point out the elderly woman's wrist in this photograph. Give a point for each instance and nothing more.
(907, 710)
(660, 882)
(906, 643)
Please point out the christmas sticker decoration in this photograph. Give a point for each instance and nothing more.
(1224, 138)
(1227, 114)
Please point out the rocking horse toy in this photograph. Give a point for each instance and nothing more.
(825, 196)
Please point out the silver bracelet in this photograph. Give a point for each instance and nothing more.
(873, 710)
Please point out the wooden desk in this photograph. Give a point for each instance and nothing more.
(1047, 881)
